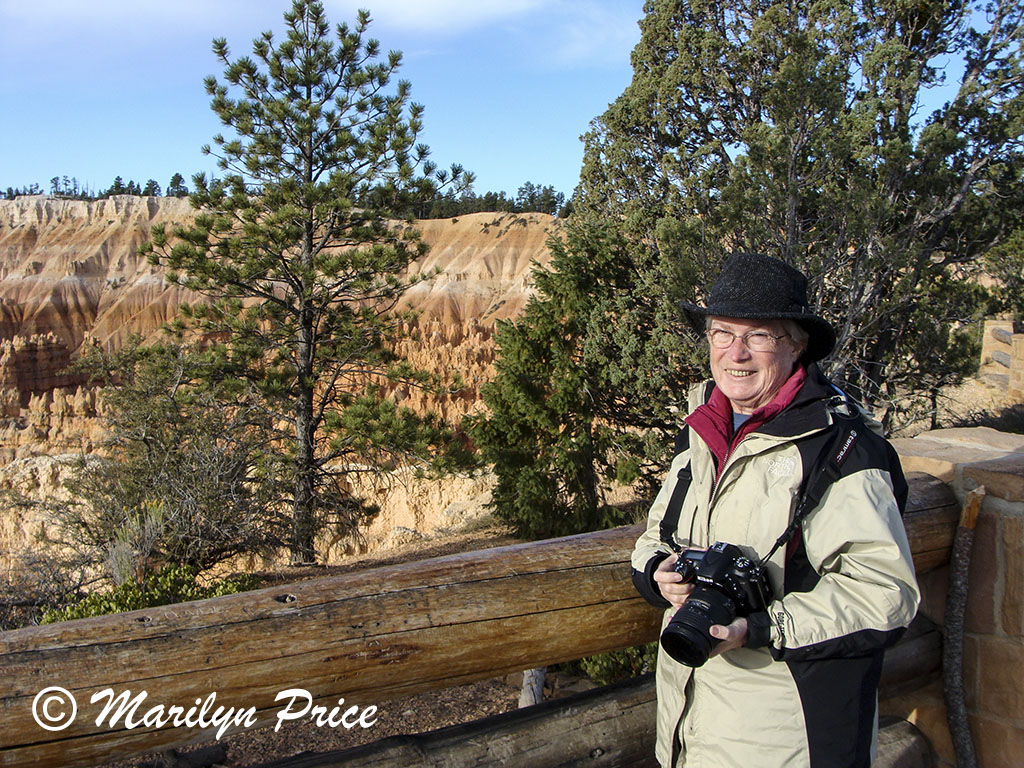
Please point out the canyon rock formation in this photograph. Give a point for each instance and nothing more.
(70, 275)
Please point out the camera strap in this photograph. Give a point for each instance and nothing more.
(670, 520)
(827, 470)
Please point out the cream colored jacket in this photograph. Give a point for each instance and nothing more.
(805, 694)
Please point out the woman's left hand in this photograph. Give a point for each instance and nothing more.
(732, 636)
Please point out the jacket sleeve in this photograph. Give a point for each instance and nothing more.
(859, 591)
(650, 549)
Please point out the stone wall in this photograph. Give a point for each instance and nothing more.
(1002, 357)
(994, 642)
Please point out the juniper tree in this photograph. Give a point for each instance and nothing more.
(183, 481)
(802, 130)
(569, 411)
(302, 248)
(185, 476)
(798, 129)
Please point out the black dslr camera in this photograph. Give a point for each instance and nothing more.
(727, 584)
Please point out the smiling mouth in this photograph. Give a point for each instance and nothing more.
(739, 374)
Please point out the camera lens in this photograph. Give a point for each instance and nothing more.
(687, 646)
(687, 638)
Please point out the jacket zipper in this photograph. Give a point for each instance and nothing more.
(729, 453)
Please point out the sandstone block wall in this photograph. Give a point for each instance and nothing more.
(994, 642)
(1016, 387)
(1002, 356)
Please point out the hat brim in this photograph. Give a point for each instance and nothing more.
(821, 335)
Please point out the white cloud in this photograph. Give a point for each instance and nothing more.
(590, 32)
(572, 31)
(560, 33)
(437, 16)
(106, 28)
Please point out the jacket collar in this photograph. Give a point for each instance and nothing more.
(808, 412)
(800, 408)
(713, 420)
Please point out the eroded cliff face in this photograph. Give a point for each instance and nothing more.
(70, 275)
(72, 269)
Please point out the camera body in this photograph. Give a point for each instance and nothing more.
(727, 584)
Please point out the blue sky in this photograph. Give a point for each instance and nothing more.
(93, 89)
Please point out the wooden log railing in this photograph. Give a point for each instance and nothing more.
(607, 727)
(365, 637)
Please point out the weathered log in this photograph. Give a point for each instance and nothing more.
(930, 520)
(604, 728)
(902, 745)
(914, 661)
(366, 637)
(953, 650)
(1002, 358)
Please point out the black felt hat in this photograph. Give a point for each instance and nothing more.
(753, 286)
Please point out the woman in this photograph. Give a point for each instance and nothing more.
(794, 682)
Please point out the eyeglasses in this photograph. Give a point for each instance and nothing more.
(755, 341)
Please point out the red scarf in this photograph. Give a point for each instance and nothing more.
(713, 420)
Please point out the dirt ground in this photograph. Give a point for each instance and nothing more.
(426, 712)
(417, 714)
(980, 400)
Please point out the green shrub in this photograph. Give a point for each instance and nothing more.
(172, 584)
(610, 667)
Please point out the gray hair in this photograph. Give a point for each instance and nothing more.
(797, 333)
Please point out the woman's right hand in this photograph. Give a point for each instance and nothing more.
(670, 583)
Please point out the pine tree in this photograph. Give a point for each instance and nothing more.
(176, 186)
(299, 249)
(533, 197)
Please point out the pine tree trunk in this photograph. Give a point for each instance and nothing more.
(304, 503)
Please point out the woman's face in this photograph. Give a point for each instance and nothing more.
(751, 379)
